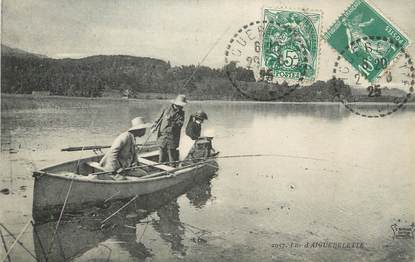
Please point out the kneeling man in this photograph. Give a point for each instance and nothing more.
(122, 153)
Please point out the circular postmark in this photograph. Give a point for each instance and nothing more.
(265, 61)
(388, 93)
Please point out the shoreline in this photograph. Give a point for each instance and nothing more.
(30, 96)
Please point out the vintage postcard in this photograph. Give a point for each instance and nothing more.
(188, 130)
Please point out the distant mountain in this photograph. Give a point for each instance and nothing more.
(23, 73)
(116, 75)
(9, 51)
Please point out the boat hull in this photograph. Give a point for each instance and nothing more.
(78, 232)
(52, 192)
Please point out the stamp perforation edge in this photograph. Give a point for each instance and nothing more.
(400, 105)
(320, 35)
(385, 18)
(233, 38)
(263, 21)
(389, 20)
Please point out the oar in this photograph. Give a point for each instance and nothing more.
(83, 148)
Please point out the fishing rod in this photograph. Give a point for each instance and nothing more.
(158, 123)
(275, 155)
(235, 156)
(212, 158)
(142, 146)
(152, 130)
(203, 59)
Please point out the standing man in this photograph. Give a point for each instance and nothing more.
(169, 126)
(122, 153)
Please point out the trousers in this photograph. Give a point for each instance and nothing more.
(168, 155)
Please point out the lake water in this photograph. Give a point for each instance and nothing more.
(338, 178)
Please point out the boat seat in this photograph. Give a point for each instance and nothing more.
(149, 162)
(95, 165)
(149, 154)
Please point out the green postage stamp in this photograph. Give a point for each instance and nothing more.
(366, 39)
(290, 45)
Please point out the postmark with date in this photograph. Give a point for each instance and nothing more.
(386, 94)
(268, 59)
(245, 72)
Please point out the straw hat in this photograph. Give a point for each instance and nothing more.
(138, 123)
(180, 100)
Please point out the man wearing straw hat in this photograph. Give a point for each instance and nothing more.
(122, 153)
(169, 126)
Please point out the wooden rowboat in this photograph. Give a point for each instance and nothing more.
(73, 184)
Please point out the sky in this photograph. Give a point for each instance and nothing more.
(181, 32)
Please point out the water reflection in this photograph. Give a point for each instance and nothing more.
(199, 195)
(170, 227)
(80, 233)
(129, 241)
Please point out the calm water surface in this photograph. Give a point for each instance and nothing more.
(340, 178)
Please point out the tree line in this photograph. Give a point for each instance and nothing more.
(92, 76)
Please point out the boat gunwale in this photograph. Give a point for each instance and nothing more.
(79, 159)
(66, 162)
(171, 174)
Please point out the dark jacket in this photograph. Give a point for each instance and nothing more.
(169, 128)
(193, 129)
